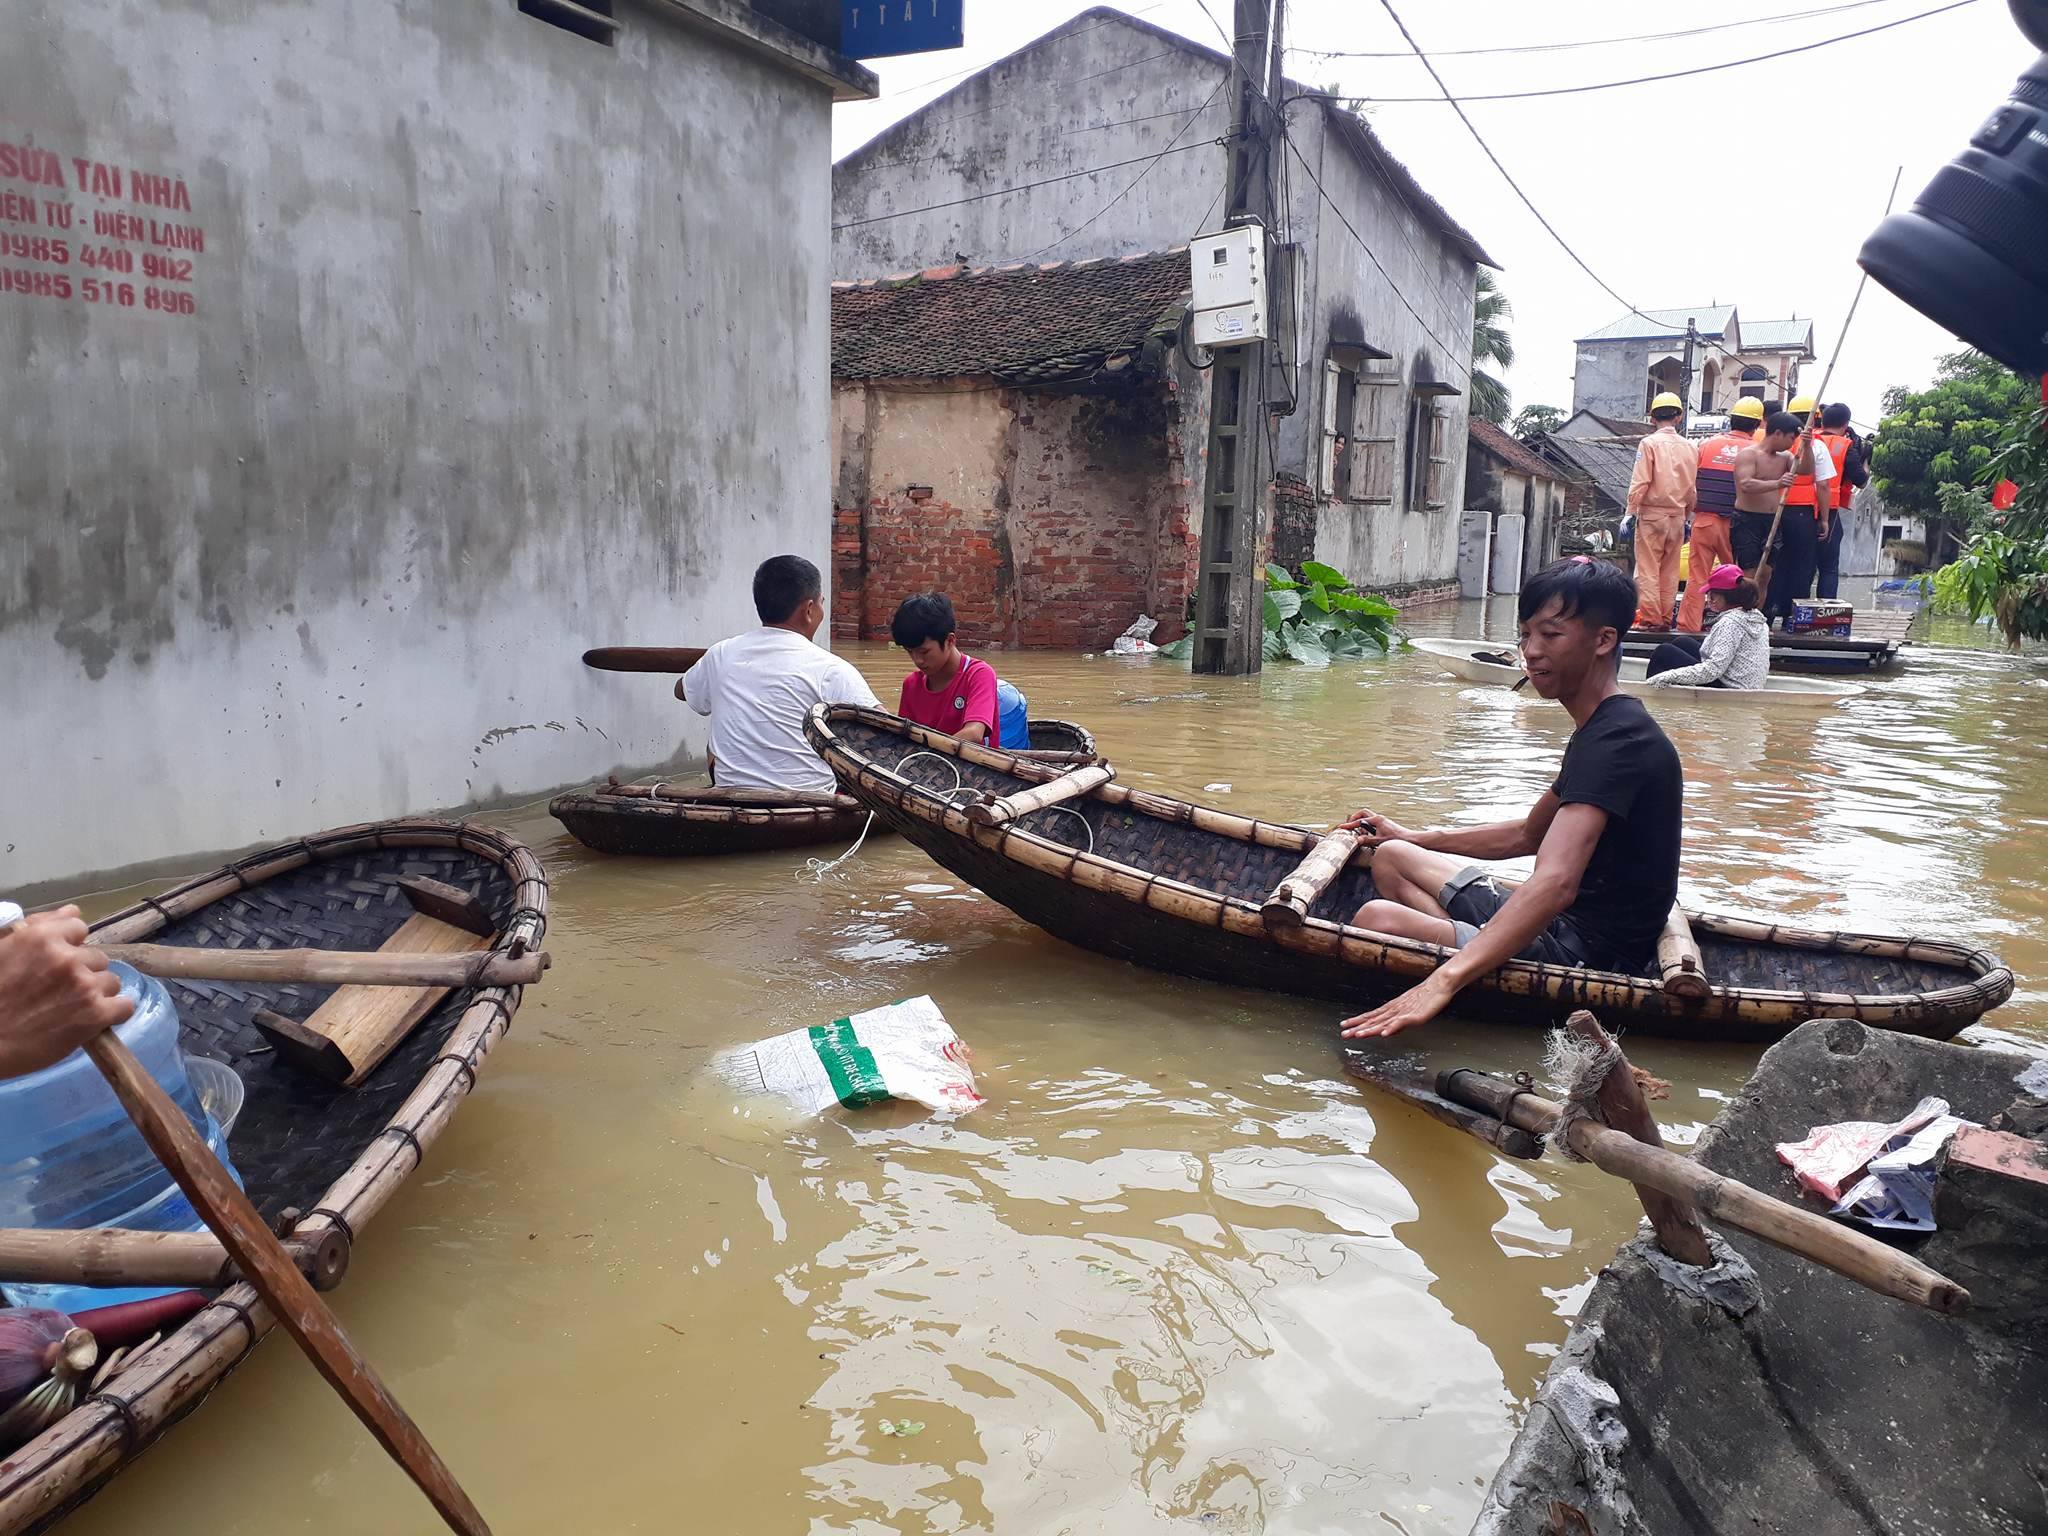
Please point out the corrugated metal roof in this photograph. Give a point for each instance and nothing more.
(1608, 462)
(1712, 320)
(1758, 335)
(1026, 323)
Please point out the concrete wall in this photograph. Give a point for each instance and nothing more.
(505, 344)
(1072, 104)
(1612, 378)
(1050, 520)
(1492, 487)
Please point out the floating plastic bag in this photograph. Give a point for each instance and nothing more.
(1833, 1155)
(1137, 640)
(906, 1050)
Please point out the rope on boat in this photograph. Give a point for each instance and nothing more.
(1064, 810)
(818, 869)
(1582, 1067)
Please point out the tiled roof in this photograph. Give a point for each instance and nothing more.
(1712, 320)
(1771, 335)
(1024, 323)
(1608, 462)
(1503, 446)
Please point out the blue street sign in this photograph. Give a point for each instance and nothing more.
(874, 29)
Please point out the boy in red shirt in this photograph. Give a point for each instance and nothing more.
(950, 691)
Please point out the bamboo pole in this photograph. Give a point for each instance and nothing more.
(720, 795)
(116, 1256)
(643, 658)
(368, 968)
(1068, 786)
(1292, 897)
(1763, 564)
(1680, 970)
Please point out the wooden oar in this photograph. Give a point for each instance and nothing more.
(263, 1262)
(369, 968)
(643, 658)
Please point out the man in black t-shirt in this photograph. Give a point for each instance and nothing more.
(1605, 835)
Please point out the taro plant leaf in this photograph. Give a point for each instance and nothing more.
(1304, 647)
(1277, 579)
(1271, 646)
(1327, 575)
(1363, 602)
(1318, 596)
(1281, 606)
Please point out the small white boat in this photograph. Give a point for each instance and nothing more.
(1481, 661)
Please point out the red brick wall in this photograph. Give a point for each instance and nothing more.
(1083, 528)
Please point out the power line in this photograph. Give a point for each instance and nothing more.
(1611, 85)
(1593, 42)
(1450, 352)
(1025, 186)
(1132, 186)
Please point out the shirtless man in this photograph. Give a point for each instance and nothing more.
(1763, 473)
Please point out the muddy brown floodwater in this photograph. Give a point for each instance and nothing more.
(1178, 1275)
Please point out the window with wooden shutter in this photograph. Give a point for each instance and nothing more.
(1437, 479)
(1326, 470)
(1375, 449)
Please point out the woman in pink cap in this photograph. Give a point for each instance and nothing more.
(1735, 652)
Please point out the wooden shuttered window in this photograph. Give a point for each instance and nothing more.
(1376, 446)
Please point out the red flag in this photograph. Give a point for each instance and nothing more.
(2004, 496)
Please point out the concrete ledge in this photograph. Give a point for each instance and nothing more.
(741, 25)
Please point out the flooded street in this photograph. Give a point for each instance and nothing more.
(1178, 1274)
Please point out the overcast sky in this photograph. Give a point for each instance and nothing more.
(1637, 179)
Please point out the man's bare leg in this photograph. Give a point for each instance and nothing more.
(1411, 877)
(1399, 922)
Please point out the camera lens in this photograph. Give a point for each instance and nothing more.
(1972, 252)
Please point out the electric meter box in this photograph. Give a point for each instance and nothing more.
(1229, 281)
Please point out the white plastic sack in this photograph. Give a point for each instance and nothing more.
(1137, 640)
(905, 1050)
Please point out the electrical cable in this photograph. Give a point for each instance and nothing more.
(1593, 42)
(1133, 183)
(1025, 186)
(1613, 85)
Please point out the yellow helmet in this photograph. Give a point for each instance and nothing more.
(1803, 405)
(1666, 402)
(1748, 408)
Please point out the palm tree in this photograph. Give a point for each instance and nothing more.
(1490, 344)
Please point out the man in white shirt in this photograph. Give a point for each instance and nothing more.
(758, 687)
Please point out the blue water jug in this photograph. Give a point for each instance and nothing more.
(71, 1157)
(1013, 718)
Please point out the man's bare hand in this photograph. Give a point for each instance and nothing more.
(55, 992)
(1785, 480)
(1374, 829)
(1418, 1005)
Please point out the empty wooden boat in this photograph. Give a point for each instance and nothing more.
(1488, 662)
(1184, 888)
(335, 1155)
(680, 820)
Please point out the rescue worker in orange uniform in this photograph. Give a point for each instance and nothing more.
(1713, 521)
(1805, 520)
(1660, 499)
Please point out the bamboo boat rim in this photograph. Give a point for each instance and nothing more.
(1991, 981)
(157, 1386)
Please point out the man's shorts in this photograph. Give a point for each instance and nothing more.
(1471, 898)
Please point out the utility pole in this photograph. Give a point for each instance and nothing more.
(1230, 585)
(1692, 338)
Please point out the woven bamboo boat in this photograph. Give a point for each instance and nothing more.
(680, 821)
(1475, 659)
(1179, 887)
(337, 1155)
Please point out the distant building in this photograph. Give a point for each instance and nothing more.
(1599, 468)
(1506, 479)
(1374, 349)
(1625, 364)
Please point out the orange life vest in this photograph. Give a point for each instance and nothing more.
(1838, 446)
(1715, 485)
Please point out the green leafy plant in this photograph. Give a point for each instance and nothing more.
(1315, 620)
(1490, 344)
(2002, 569)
